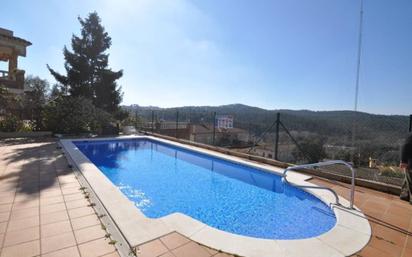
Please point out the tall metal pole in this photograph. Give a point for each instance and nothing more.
(359, 56)
(275, 156)
(354, 125)
(177, 123)
(214, 127)
(152, 121)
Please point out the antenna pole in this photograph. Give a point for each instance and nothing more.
(357, 80)
(359, 56)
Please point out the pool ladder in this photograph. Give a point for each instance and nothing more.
(321, 164)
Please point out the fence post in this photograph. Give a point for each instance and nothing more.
(177, 123)
(275, 156)
(152, 122)
(214, 127)
(410, 123)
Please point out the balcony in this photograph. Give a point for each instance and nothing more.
(4, 74)
(14, 83)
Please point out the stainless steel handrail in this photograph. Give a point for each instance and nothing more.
(320, 164)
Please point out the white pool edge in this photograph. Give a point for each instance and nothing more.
(350, 234)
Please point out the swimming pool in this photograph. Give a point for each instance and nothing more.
(161, 179)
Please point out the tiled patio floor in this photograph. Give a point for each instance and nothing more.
(42, 210)
(390, 219)
(43, 213)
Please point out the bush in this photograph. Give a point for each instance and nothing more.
(11, 124)
(74, 115)
(311, 148)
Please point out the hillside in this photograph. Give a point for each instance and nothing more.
(377, 128)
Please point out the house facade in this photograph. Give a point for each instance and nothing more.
(11, 48)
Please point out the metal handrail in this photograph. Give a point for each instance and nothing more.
(4, 74)
(320, 164)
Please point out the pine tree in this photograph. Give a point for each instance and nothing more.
(88, 74)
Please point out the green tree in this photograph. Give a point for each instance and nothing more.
(35, 100)
(87, 71)
(9, 110)
(5, 98)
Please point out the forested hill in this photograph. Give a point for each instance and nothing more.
(328, 123)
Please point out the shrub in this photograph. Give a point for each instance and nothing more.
(74, 115)
(11, 124)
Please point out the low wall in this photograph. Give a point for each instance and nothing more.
(25, 134)
(379, 186)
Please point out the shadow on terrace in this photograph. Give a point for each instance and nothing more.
(31, 166)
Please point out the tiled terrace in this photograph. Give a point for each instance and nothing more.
(43, 213)
(390, 219)
(42, 210)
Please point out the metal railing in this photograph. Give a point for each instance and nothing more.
(321, 164)
(4, 74)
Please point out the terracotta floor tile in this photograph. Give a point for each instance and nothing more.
(210, 250)
(50, 193)
(25, 213)
(73, 197)
(399, 209)
(408, 243)
(28, 249)
(96, 248)
(89, 234)
(77, 204)
(67, 252)
(80, 212)
(26, 204)
(191, 249)
(4, 216)
(85, 221)
(168, 254)
(69, 191)
(57, 242)
(1, 241)
(52, 208)
(51, 200)
(26, 197)
(5, 207)
(389, 248)
(23, 223)
(54, 217)
(21, 236)
(3, 227)
(6, 200)
(113, 254)
(67, 179)
(152, 249)
(401, 221)
(71, 185)
(55, 228)
(174, 240)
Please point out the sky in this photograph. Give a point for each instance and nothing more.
(274, 54)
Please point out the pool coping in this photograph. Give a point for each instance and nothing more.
(350, 234)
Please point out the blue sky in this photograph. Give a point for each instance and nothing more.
(289, 54)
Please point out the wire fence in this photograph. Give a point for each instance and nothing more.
(371, 142)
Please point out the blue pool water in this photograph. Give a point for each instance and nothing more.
(162, 179)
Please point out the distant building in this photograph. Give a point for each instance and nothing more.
(204, 134)
(11, 48)
(224, 121)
